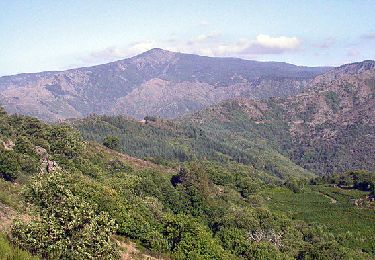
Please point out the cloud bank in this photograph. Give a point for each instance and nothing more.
(209, 44)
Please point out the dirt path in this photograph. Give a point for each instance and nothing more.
(7, 215)
(130, 252)
(333, 200)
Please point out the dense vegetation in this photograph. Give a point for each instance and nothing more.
(80, 199)
(170, 142)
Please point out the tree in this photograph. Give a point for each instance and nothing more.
(66, 143)
(150, 118)
(188, 239)
(112, 142)
(9, 165)
(68, 227)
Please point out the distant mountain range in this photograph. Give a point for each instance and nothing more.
(322, 119)
(155, 83)
(329, 127)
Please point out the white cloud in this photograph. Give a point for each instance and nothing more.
(282, 42)
(209, 44)
(262, 44)
(204, 23)
(115, 53)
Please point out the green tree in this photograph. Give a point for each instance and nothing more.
(9, 165)
(112, 142)
(66, 143)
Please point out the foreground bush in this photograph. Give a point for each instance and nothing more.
(68, 227)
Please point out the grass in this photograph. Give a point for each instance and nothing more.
(354, 227)
(10, 252)
(10, 194)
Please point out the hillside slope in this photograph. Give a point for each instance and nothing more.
(330, 127)
(80, 198)
(157, 83)
(327, 128)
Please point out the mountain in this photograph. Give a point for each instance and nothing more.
(329, 127)
(157, 83)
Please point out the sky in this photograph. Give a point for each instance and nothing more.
(56, 35)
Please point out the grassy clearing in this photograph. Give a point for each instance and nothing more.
(352, 225)
(10, 194)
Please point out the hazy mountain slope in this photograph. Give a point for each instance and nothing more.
(330, 127)
(339, 120)
(171, 84)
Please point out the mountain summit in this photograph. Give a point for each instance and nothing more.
(156, 82)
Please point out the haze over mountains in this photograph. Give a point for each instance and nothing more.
(157, 82)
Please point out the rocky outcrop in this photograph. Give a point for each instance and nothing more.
(47, 165)
(8, 145)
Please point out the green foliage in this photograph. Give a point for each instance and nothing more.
(211, 208)
(295, 185)
(68, 227)
(65, 142)
(9, 165)
(111, 142)
(239, 140)
(11, 252)
(188, 239)
(333, 100)
(359, 179)
(342, 226)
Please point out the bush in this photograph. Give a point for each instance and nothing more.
(68, 227)
(188, 239)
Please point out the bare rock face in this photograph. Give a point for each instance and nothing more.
(155, 83)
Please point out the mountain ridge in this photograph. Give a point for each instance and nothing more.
(327, 128)
(103, 89)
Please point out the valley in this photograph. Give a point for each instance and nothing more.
(279, 176)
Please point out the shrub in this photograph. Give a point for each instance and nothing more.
(68, 227)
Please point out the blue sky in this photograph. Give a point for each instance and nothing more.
(55, 35)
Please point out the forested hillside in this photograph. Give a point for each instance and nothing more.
(66, 198)
(328, 128)
(169, 143)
